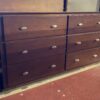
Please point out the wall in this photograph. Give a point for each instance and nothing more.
(83, 5)
(31, 5)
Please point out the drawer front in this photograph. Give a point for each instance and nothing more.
(83, 41)
(31, 70)
(18, 51)
(82, 58)
(84, 23)
(31, 26)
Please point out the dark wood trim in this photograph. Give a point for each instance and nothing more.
(38, 13)
(3, 54)
(65, 5)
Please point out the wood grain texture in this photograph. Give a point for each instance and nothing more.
(82, 58)
(36, 48)
(83, 41)
(37, 68)
(90, 23)
(37, 26)
(31, 5)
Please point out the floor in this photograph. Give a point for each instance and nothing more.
(81, 84)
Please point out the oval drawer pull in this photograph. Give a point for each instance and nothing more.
(53, 66)
(80, 24)
(54, 26)
(97, 40)
(23, 28)
(95, 55)
(77, 60)
(25, 73)
(54, 47)
(98, 22)
(24, 51)
(78, 43)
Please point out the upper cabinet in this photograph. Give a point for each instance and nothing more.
(83, 5)
(31, 5)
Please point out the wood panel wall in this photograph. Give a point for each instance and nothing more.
(31, 5)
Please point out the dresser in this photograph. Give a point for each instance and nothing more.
(37, 45)
(33, 46)
(83, 40)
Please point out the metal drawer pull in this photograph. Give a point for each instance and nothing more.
(97, 40)
(54, 26)
(77, 60)
(79, 43)
(80, 24)
(54, 47)
(23, 28)
(53, 66)
(24, 51)
(98, 23)
(95, 55)
(25, 73)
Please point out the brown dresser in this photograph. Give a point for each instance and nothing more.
(83, 40)
(36, 45)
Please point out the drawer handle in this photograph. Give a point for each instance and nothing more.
(97, 40)
(54, 47)
(24, 51)
(23, 28)
(53, 66)
(98, 23)
(77, 60)
(54, 26)
(95, 55)
(25, 73)
(78, 43)
(80, 24)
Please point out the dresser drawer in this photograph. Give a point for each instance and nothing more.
(31, 26)
(84, 23)
(34, 69)
(82, 58)
(83, 41)
(23, 50)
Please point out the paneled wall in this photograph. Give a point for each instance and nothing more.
(83, 5)
(31, 5)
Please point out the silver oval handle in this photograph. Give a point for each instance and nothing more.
(97, 40)
(53, 66)
(25, 73)
(77, 60)
(95, 55)
(54, 26)
(80, 24)
(98, 22)
(23, 28)
(24, 51)
(78, 43)
(54, 47)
